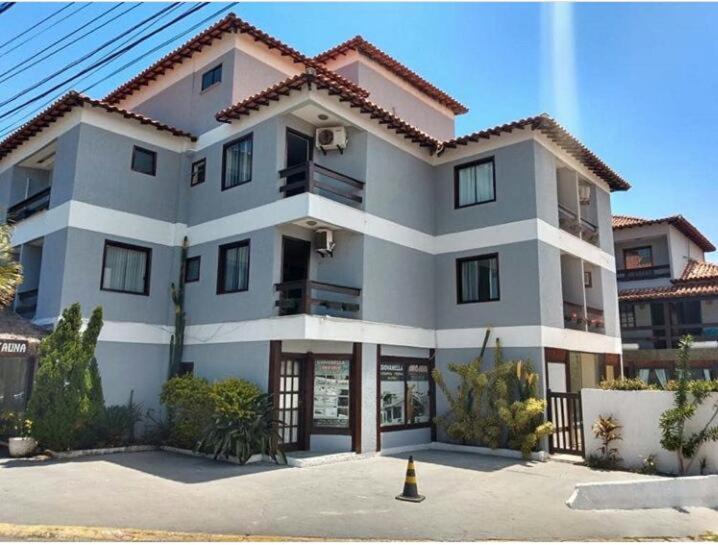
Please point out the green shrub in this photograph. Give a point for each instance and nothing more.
(64, 398)
(627, 384)
(696, 387)
(189, 408)
(233, 397)
(115, 425)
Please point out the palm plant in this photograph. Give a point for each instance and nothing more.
(10, 269)
(254, 431)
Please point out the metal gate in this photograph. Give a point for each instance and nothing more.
(564, 410)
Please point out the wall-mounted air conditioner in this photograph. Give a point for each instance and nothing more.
(584, 194)
(324, 242)
(331, 138)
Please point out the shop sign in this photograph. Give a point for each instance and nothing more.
(10, 348)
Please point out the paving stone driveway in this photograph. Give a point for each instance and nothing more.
(468, 497)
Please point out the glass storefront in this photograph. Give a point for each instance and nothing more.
(331, 393)
(405, 393)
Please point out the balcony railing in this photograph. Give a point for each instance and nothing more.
(311, 297)
(568, 220)
(310, 177)
(574, 316)
(32, 205)
(644, 273)
(26, 303)
(660, 336)
(589, 231)
(595, 320)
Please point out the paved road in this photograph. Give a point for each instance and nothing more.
(468, 497)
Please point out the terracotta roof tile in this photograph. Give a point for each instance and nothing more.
(64, 105)
(678, 221)
(13, 326)
(699, 271)
(362, 46)
(557, 134)
(674, 291)
(335, 88)
(228, 24)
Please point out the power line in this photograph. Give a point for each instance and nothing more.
(79, 9)
(20, 68)
(36, 25)
(81, 59)
(15, 124)
(102, 61)
(6, 6)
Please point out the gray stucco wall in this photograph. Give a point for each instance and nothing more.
(404, 104)
(52, 275)
(249, 360)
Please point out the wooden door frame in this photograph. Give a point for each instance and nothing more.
(300, 134)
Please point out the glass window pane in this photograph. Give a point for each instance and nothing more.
(192, 269)
(331, 393)
(638, 258)
(143, 161)
(198, 172)
(479, 280)
(125, 269)
(476, 183)
(238, 162)
(392, 395)
(418, 409)
(13, 384)
(235, 268)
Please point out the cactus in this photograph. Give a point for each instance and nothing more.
(177, 292)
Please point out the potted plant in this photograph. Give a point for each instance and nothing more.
(20, 443)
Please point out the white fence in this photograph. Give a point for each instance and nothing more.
(638, 412)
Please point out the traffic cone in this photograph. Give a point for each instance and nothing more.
(411, 493)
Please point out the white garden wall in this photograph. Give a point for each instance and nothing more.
(638, 412)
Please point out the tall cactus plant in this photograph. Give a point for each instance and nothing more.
(177, 292)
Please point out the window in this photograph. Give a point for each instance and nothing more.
(477, 279)
(191, 271)
(233, 267)
(237, 162)
(210, 77)
(199, 169)
(628, 316)
(331, 393)
(144, 161)
(638, 258)
(406, 392)
(587, 279)
(126, 268)
(474, 183)
(186, 368)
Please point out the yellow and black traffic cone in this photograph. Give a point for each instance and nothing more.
(411, 493)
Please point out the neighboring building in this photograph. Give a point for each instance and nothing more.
(666, 290)
(334, 272)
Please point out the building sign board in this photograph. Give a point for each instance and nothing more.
(13, 348)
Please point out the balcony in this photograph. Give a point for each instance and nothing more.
(317, 298)
(568, 220)
(594, 320)
(310, 177)
(574, 316)
(643, 273)
(26, 303)
(30, 206)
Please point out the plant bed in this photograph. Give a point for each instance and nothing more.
(255, 458)
(538, 456)
(99, 451)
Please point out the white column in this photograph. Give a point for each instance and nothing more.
(368, 404)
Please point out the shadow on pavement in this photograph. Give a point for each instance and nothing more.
(463, 460)
(165, 465)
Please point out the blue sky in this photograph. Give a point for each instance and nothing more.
(637, 83)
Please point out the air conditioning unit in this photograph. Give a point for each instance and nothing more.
(584, 194)
(324, 242)
(329, 138)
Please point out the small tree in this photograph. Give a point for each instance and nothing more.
(65, 396)
(686, 401)
(607, 429)
(10, 270)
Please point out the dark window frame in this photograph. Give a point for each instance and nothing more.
(148, 267)
(627, 310)
(203, 163)
(587, 279)
(198, 259)
(633, 249)
(221, 257)
(140, 149)
(460, 261)
(406, 362)
(470, 164)
(212, 71)
(249, 137)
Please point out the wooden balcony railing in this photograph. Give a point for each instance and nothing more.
(310, 297)
(573, 316)
(644, 273)
(26, 303)
(313, 178)
(32, 205)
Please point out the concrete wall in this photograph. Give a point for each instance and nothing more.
(639, 412)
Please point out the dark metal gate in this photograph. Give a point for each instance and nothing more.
(564, 410)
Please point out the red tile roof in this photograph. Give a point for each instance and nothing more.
(65, 105)
(557, 134)
(678, 221)
(681, 290)
(369, 50)
(699, 271)
(228, 24)
(335, 88)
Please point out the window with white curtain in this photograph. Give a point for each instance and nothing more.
(474, 183)
(126, 268)
(233, 267)
(477, 279)
(237, 162)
